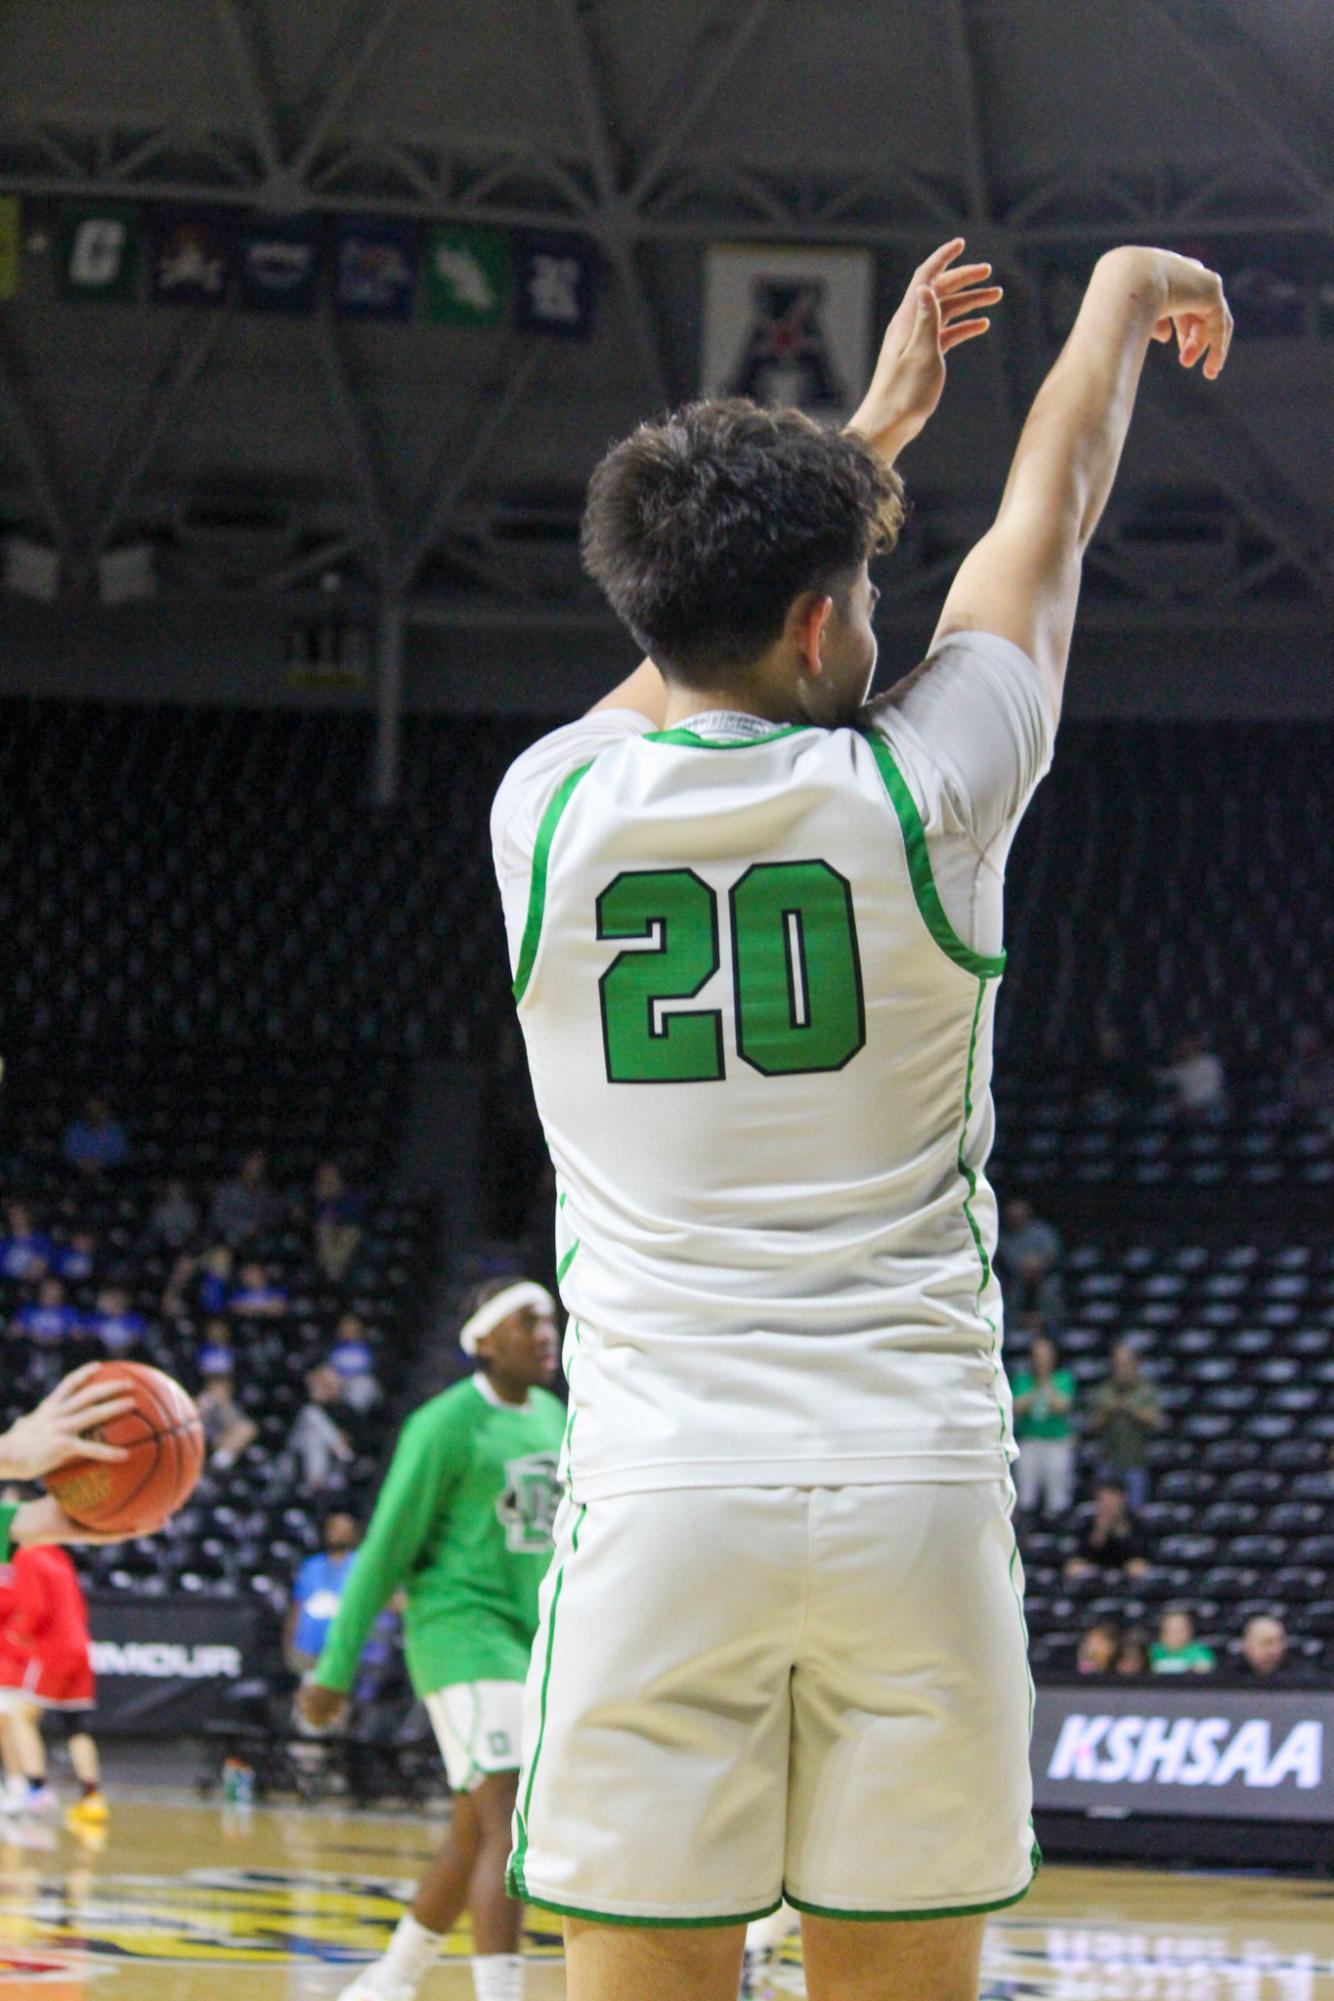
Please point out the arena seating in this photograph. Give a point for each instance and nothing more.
(1239, 1342)
(193, 1115)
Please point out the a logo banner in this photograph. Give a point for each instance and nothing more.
(788, 326)
(97, 251)
(469, 277)
(1201, 1751)
(376, 270)
(191, 258)
(277, 267)
(162, 1663)
(554, 285)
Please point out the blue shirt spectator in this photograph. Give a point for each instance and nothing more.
(24, 1252)
(75, 1261)
(48, 1319)
(256, 1293)
(96, 1141)
(115, 1323)
(318, 1591)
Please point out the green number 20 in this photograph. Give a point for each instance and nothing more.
(796, 972)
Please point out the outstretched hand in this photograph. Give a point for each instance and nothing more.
(57, 1431)
(45, 1521)
(940, 310)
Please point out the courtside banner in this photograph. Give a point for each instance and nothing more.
(1201, 1751)
(788, 326)
(163, 1665)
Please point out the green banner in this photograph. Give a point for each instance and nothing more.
(469, 277)
(11, 245)
(98, 251)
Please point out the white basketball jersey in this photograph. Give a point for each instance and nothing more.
(762, 1058)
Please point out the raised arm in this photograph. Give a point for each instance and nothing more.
(1022, 580)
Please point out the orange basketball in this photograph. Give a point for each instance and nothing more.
(165, 1445)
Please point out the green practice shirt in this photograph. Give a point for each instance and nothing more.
(1194, 1659)
(1040, 1420)
(463, 1522)
(6, 1547)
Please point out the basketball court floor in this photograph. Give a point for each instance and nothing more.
(196, 1903)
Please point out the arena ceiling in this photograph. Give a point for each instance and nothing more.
(289, 458)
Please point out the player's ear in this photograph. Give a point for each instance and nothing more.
(806, 621)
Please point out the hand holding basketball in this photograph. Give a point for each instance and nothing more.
(63, 1426)
(161, 1443)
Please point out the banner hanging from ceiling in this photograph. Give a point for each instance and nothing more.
(277, 267)
(97, 248)
(469, 277)
(191, 258)
(788, 326)
(11, 244)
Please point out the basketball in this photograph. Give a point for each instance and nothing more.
(164, 1439)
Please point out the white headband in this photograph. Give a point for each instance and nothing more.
(512, 1300)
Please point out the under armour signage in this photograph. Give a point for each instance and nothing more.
(788, 327)
(1202, 1751)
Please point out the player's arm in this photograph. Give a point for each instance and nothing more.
(426, 1464)
(1022, 580)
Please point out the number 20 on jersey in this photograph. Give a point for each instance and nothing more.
(795, 973)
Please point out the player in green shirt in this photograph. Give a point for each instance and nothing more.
(463, 1524)
(46, 1438)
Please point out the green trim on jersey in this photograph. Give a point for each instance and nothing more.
(537, 890)
(567, 1260)
(919, 868)
(692, 740)
(908, 1917)
(514, 1882)
(966, 1170)
(7, 1515)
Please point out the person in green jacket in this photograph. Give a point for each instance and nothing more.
(1044, 1431)
(46, 1438)
(463, 1523)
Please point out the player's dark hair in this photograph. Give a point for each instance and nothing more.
(703, 528)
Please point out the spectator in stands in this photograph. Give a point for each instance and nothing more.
(1031, 1252)
(227, 1429)
(246, 1206)
(1132, 1656)
(1265, 1656)
(1308, 1082)
(25, 1252)
(1113, 1081)
(354, 1364)
(318, 1443)
(258, 1295)
(75, 1260)
(1124, 1416)
(175, 1218)
(339, 1216)
(1111, 1539)
(204, 1283)
(1096, 1652)
(95, 1142)
(1044, 1395)
(1195, 1080)
(115, 1323)
(49, 1319)
(317, 1593)
(1176, 1650)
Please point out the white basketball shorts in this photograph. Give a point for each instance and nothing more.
(477, 1725)
(743, 1694)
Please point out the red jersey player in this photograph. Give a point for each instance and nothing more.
(45, 1666)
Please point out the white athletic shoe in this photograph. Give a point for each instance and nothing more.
(13, 1794)
(40, 1805)
(368, 1987)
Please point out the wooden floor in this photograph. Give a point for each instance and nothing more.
(189, 1903)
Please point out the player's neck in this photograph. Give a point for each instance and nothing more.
(764, 695)
(501, 1389)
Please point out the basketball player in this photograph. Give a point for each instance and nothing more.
(755, 929)
(49, 1436)
(464, 1521)
(46, 1669)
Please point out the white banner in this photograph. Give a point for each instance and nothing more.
(788, 326)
